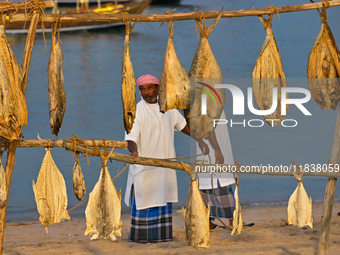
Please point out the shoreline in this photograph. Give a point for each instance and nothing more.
(269, 234)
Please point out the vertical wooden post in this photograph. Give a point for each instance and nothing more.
(13, 145)
(8, 170)
(329, 194)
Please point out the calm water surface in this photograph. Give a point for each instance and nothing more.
(92, 70)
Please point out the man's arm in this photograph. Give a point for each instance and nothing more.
(218, 154)
(203, 146)
(132, 146)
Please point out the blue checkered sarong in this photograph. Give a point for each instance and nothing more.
(152, 224)
(224, 198)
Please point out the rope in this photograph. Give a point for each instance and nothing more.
(76, 157)
(198, 20)
(269, 21)
(327, 4)
(168, 12)
(5, 4)
(125, 16)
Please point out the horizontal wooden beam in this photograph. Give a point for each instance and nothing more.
(59, 143)
(6, 6)
(65, 18)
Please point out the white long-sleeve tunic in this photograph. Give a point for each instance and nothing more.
(223, 139)
(153, 132)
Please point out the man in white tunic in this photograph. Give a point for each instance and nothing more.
(151, 190)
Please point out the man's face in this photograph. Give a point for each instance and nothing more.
(149, 93)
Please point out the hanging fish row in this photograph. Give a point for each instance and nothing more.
(324, 62)
(51, 198)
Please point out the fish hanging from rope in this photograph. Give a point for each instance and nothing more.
(323, 68)
(79, 187)
(268, 75)
(103, 211)
(174, 90)
(13, 109)
(300, 206)
(3, 186)
(196, 215)
(128, 83)
(205, 72)
(237, 222)
(56, 91)
(50, 193)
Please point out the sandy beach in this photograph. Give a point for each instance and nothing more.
(269, 235)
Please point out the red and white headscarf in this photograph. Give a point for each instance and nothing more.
(147, 79)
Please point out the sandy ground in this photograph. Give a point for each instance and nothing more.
(270, 235)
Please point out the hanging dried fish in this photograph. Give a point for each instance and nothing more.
(237, 222)
(128, 83)
(50, 193)
(78, 181)
(56, 91)
(196, 216)
(13, 111)
(324, 62)
(268, 74)
(174, 91)
(103, 210)
(204, 65)
(300, 206)
(3, 186)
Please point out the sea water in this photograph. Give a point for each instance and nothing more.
(92, 70)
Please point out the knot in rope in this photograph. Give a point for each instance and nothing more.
(273, 9)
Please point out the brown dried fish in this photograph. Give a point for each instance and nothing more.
(3, 186)
(196, 216)
(56, 91)
(205, 65)
(268, 74)
(128, 83)
(50, 193)
(324, 62)
(237, 222)
(174, 91)
(79, 187)
(103, 210)
(300, 206)
(13, 110)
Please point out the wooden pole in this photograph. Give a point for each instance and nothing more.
(67, 18)
(8, 171)
(329, 194)
(59, 143)
(22, 6)
(127, 158)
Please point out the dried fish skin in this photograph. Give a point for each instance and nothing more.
(56, 90)
(50, 193)
(205, 65)
(300, 207)
(13, 110)
(237, 222)
(196, 215)
(103, 211)
(3, 186)
(268, 74)
(174, 91)
(128, 84)
(79, 187)
(324, 62)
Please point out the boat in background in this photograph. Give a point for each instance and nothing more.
(74, 8)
